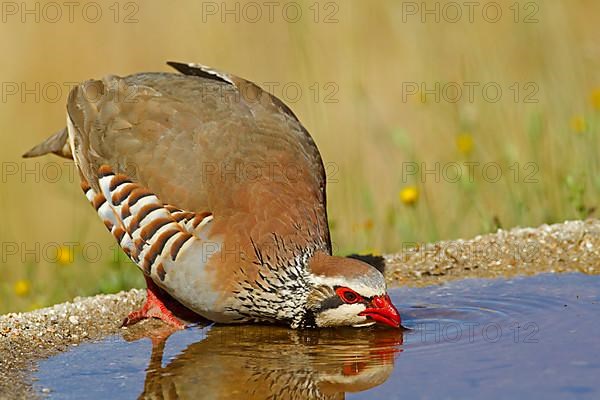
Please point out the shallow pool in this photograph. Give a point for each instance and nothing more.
(536, 337)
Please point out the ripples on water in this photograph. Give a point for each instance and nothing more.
(533, 337)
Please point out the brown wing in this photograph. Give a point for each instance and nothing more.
(210, 142)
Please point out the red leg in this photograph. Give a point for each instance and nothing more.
(158, 305)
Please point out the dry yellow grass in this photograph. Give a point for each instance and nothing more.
(372, 136)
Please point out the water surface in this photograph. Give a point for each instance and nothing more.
(533, 337)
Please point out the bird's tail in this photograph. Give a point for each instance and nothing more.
(57, 144)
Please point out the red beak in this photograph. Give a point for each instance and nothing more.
(381, 310)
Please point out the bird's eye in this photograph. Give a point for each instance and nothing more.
(348, 295)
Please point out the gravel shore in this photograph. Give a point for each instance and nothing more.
(568, 247)
(572, 246)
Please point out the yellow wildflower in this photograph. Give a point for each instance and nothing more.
(595, 98)
(409, 195)
(578, 124)
(22, 287)
(65, 255)
(464, 143)
(368, 224)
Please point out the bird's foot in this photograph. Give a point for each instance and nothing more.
(153, 308)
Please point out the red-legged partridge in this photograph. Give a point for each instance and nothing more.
(217, 192)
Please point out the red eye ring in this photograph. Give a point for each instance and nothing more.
(348, 295)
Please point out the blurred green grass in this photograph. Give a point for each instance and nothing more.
(547, 150)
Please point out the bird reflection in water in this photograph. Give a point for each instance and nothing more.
(265, 362)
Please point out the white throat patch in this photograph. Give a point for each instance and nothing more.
(344, 315)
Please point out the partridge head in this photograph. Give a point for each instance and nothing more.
(347, 292)
(216, 191)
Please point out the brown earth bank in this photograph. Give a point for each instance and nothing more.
(572, 246)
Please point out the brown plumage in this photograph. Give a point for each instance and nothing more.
(215, 189)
